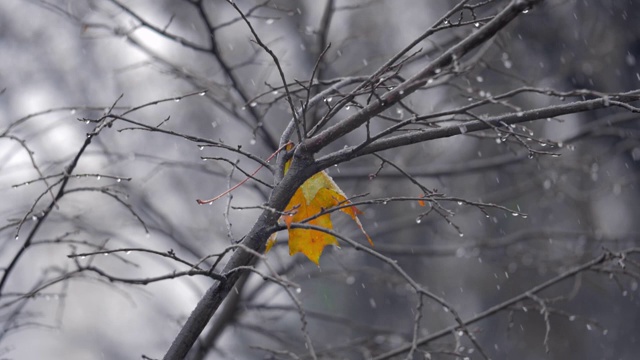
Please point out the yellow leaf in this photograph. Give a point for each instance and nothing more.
(318, 193)
(270, 242)
(341, 200)
(312, 242)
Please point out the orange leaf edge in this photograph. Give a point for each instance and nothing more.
(421, 202)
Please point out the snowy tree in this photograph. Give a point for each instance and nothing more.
(491, 147)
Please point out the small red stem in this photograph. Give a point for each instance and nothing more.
(202, 202)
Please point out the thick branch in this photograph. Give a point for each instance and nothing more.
(302, 167)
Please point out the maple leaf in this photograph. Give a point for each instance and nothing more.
(315, 195)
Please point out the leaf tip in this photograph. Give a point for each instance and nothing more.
(270, 242)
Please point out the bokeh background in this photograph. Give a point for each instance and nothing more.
(73, 59)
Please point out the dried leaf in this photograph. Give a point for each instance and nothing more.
(318, 193)
(421, 202)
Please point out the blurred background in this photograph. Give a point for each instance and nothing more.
(69, 61)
